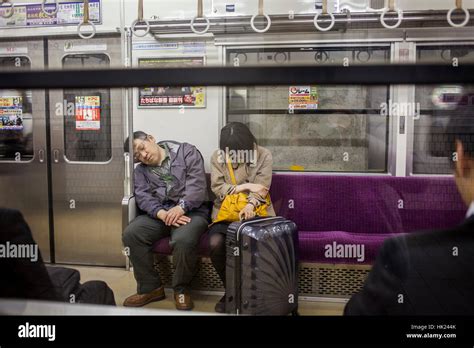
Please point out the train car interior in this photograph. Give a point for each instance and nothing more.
(347, 166)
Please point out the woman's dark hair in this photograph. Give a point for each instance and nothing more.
(237, 136)
(136, 135)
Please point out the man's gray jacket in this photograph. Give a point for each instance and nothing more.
(189, 188)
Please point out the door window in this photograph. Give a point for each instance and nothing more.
(16, 116)
(87, 120)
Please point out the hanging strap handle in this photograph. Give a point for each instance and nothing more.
(86, 12)
(391, 5)
(261, 12)
(200, 15)
(140, 19)
(140, 10)
(86, 21)
(458, 8)
(324, 13)
(260, 7)
(200, 11)
(391, 8)
(52, 13)
(10, 6)
(231, 170)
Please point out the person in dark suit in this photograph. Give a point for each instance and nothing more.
(429, 273)
(22, 277)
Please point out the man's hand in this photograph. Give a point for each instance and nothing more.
(174, 214)
(247, 213)
(183, 220)
(162, 214)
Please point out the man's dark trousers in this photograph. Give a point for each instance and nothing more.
(144, 231)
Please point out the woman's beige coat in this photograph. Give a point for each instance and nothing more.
(260, 172)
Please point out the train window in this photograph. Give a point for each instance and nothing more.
(16, 117)
(87, 129)
(315, 128)
(434, 102)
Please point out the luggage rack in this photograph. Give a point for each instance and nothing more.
(304, 23)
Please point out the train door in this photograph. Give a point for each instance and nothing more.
(23, 155)
(87, 157)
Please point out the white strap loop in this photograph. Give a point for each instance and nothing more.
(140, 19)
(200, 15)
(91, 34)
(11, 9)
(466, 14)
(54, 12)
(324, 12)
(206, 29)
(261, 12)
(86, 21)
(391, 8)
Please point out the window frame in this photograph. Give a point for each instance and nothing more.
(390, 153)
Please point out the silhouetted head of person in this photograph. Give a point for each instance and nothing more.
(460, 135)
(145, 149)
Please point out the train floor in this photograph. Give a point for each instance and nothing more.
(123, 284)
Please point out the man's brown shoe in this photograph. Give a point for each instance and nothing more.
(183, 301)
(143, 299)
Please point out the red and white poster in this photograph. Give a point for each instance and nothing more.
(87, 113)
(162, 97)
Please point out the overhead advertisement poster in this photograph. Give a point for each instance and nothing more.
(161, 97)
(87, 113)
(303, 98)
(11, 113)
(31, 15)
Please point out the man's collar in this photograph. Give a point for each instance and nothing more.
(470, 211)
(167, 152)
(172, 148)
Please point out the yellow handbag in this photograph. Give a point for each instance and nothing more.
(233, 204)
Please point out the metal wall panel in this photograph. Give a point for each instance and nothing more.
(23, 161)
(88, 165)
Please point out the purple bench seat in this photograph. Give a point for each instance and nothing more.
(357, 210)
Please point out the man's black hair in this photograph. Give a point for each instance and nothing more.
(136, 135)
(459, 126)
(237, 136)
